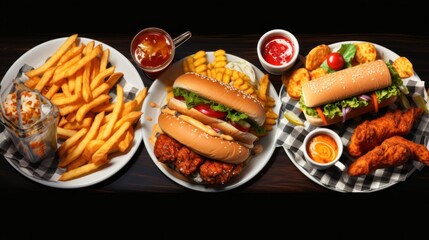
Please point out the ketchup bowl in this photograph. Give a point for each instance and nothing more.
(277, 51)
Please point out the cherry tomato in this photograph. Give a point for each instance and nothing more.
(241, 125)
(206, 109)
(335, 61)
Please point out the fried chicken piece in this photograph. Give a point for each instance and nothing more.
(215, 172)
(187, 161)
(393, 152)
(419, 151)
(371, 133)
(166, 148)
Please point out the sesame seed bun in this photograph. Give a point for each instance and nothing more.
(201, 142)
(346, 83)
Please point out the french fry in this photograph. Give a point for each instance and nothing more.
(130, 117)
(54, 88)
(101, 154)
(71, 141)
(86, 89)
(95, 68)
(91, 148)
(119, 105)
(81, 63)
(98, 80)
(80, 171)
(78, 82)
(65, 133)
(32, 82)
(59, 101)
(88, 106)
(71, 53)
(45, 78)
(140, 98)
(54, 58)
(263, 88)
(104, 60)
(67, 65)
(86, 123)
(72, 155)
(128, 139)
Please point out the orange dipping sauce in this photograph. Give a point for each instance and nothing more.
(152, 49)
(322, 148)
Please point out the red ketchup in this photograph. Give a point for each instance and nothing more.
(152, 49)
(278, 50)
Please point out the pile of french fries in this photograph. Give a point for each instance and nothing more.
(77, 79)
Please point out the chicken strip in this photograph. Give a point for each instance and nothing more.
(371, 133)
(393, 152)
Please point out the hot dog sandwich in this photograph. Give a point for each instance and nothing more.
(349, 93)
(218, 117)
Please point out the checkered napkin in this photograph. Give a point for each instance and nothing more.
(291, 137)
(47, 168)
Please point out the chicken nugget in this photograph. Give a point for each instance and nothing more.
(317, 73)
(295, 81)
(365, 52)
(404, 67)
(316, 56)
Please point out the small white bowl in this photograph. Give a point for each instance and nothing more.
(264, 39)
(334, 162)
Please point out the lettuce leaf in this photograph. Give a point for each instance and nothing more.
(193, 100)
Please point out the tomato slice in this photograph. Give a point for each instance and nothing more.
(182, 98)
(335, 61)
(206, 109)
(241, 125)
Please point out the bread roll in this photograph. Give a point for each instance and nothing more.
(201, 142)
(346, 83)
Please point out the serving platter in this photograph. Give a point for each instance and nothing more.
(291, 138)
(156, 99)
(47, 172)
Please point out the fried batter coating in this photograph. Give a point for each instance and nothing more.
(371, 133)
(317, 73)
(166, 148)
(392, 152)
(295, 81)
(187, 161)
(214, 172)
(404, 67)
(365, 52)
(316, 56)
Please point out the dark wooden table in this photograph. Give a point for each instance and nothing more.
(279, 176)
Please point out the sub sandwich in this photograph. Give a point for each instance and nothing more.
(350, 92)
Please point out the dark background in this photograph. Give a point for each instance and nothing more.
(208, 17)
(36, 18)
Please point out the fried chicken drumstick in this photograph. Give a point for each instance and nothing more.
(371, 133)
(393, 152)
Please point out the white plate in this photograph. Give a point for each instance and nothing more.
(157, 94)
(36, 57)
(386, 55)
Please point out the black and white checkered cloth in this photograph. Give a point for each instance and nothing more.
(47, 168)
(291, 137)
